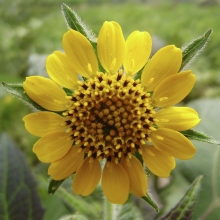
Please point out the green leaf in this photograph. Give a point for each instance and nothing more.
(198, 136)
(79, 203)
(206, 161)
(19, 199)
(191, 50)
(184, 208)
(54, 185)
(75, 22)
(17, 90)
(171, 190)
(151, 202)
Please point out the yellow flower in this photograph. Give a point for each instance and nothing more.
(111, 116)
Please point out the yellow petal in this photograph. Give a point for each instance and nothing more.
(157, 161)
(173, 143)
(80, 53)
(111, 46)
(43, 123)
(177, 118)
(87, 177)
(173, 89)
(67, 165)
(115, 183)
(138, 179)
(52, 147)
(46, 93)
(165, 62)
(60, 70)
(138, 49)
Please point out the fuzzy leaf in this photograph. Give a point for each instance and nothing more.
(191, 50)
(151, 202)
(184, 208)
(17, 90)
(197, 136)
(19, 199)
(75, 22)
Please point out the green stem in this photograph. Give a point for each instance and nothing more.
(108, 209)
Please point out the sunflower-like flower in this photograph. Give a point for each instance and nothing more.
(108, 117)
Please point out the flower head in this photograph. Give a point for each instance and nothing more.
(109, 116)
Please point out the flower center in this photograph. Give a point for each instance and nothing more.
(110, 116)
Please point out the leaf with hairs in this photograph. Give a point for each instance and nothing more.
(183, 210)
(192, 50)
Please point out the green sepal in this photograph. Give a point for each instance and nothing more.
(54, 185)
(198, 136)
(74, 21)
(191, 50)
(184, 208)
(69, 92)
(150, 201)
(138, 75)
(17, 90)
(138, 156)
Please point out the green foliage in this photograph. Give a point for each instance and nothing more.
(151, 202)
(75, 22)
(195, 135)
(17, 33)
(54, 185)
(192, 49)
(184, 208)
(19, 199)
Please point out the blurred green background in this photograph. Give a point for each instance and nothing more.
(31, 30)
